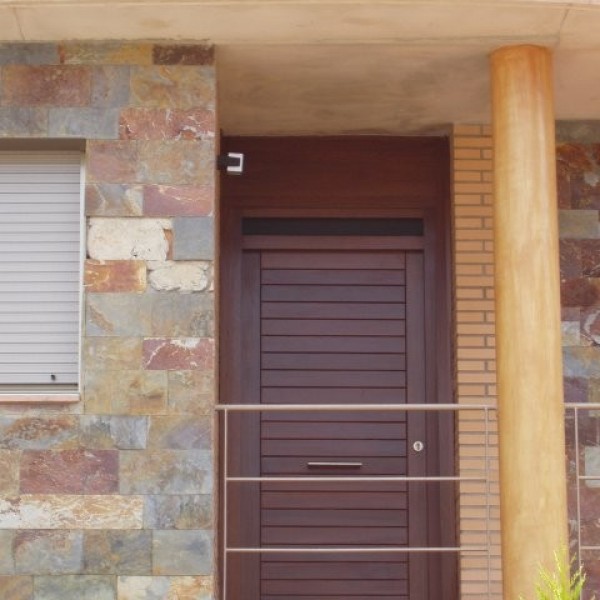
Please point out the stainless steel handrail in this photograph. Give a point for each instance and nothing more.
(226, 409)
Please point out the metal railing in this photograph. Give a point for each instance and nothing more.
(581, 472)
(482, 476)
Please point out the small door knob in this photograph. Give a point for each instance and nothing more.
(418, 446)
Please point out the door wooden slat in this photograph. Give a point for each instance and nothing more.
(356, 277)
(333, 260)
(334, 344)
(350, 379)
(370, 361)
(332, 293)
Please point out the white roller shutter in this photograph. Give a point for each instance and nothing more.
(40, 258)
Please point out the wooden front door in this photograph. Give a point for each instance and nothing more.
(329, 310)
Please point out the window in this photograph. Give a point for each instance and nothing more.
(40, 271)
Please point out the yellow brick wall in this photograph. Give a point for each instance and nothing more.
(475, 354)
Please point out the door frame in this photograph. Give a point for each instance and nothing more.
(438, 322)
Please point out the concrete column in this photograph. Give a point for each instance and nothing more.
(533, 505)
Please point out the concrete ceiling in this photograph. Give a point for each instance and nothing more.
(341, 66)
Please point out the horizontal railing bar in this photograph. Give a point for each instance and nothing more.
(346, 550)
(350, 407)
(290, 479)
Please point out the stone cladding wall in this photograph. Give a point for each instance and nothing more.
(578, 166)
(112, 497)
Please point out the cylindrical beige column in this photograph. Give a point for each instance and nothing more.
(533, 505)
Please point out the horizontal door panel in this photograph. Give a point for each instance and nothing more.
(333, 536)
(330, 499)
(299, 466)
(300, 361)
(388, 587)
(381, 487)
(333, 260)
(334, 276)
(332, 293)
(299, 557)
(334, 344)
(373, 569)
(330, 597)
(333, 310)
(339, 327)
(350, 379)
(282, 395)
(332, 431)
(334, 518)
(329, 448)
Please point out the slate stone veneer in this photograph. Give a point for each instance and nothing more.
(578, 167)
(113, 497)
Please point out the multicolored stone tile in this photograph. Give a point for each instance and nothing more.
(580, 292)
(112, 162)
(188, 552)
(67, 511)
(128, 392)
(7, 561)
(113, 353)
(117, 552)
(115, 276)
(193, 238)
(175, 163)
(39, 433)
(23, 121)
(46, 85)
(118, 432)
(166, 124)
(10, 461)
(165, 588)
(127, 238)
(189, 276)
(69, 471)
(81, 587)
(173, 87)
(166, 472)
(28, 54)
(110, 86)
(191, 392)
(105, 53)
(183, 315)
(16, 588)
(48, 552)
(95, 123)
(579, 224)
(114, 200)
(178, 512)
(178, 354)
(177, 201)
(183, 54)
(180, 433)
(115, 314)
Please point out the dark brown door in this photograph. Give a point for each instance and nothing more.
(324, 311)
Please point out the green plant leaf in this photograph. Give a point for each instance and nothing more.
(560, 584)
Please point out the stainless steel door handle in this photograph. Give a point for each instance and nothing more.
(333, 465)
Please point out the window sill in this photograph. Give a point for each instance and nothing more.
(40, 398)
